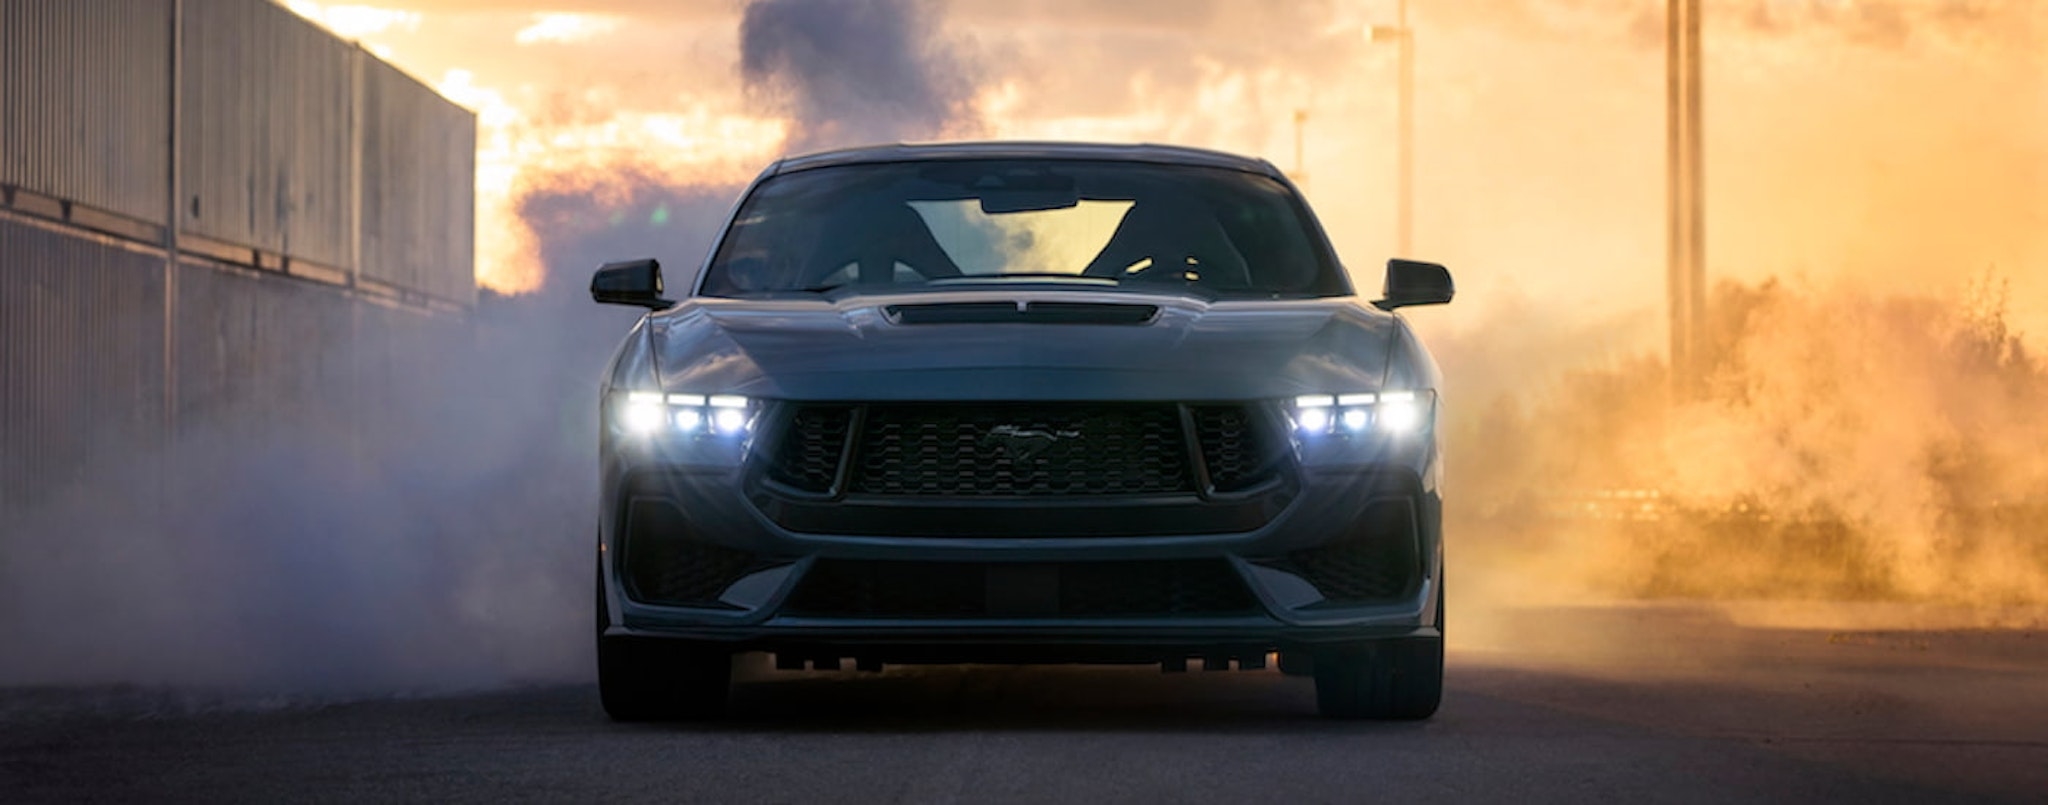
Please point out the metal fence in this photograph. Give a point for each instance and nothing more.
(294, 151)
(85, 102)
(81, 357)
(419, 164)
(187, 244)
(264, 131)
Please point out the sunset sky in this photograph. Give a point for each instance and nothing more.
(1889, 145)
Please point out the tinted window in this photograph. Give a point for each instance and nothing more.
(901, 226)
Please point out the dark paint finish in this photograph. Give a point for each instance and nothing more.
(1412, 282)
(850, 349)
(1151, 154)
(629, 282)
(1021, 343)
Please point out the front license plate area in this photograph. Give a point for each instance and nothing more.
(1022, 590)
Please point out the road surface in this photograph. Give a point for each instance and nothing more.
(1620, 704)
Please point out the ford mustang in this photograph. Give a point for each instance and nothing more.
(1020, 403)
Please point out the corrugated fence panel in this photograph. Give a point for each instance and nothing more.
(269, 125)
(458, 146)
(418, 186)
(264, 128)
(85, 101)
(407, 362)
(260, 353)
(81, 360)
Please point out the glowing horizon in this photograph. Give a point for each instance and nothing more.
(1518, 170)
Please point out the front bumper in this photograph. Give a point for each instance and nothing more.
(759, 602)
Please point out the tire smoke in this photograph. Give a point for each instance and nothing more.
(445, 540)
(1851, 446)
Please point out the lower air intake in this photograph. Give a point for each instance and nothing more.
(664, 564)
(837, 588)
(1379, 560)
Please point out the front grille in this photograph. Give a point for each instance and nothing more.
(1379, 560)
(665, 564)
(838, 588)
(1239, 447)
(1025, 450)
(808, 456)
(1021, 450)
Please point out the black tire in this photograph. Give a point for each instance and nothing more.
(1399, 679)
(1297, 663)
(641, 679)
(652, 679)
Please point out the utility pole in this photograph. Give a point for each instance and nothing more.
(1404, 204)
(1685, 279)
(1404, 126)
(1300, 168)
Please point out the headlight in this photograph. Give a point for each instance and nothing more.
(1388, 412)
(652, 413)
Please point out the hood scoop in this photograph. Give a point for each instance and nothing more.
(1022, 313)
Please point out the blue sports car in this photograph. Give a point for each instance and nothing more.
(1020, 402)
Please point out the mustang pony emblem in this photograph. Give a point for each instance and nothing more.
(1022, 444)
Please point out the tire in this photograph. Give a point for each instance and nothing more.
(1399, 679)
(641, 679)
(653, 679)
(1297, 663)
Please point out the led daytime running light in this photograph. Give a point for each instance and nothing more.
(650, 412)
(1390, 412)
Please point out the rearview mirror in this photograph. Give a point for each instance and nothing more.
(629, 282)
(1002, 201)
(1412, 282)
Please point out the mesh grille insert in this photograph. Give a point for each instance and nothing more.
(1238, 446)
(808, 456)
(1378, 561)
(665, 565)
(1021, 450)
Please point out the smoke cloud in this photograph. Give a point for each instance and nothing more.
(425, 542)
(446, 539)
(1873, 210)
(855, 72)
(1851, 445)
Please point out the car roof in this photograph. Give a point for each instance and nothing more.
(919, 152)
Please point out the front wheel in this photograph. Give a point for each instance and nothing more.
(641, 679)
(1398, 679)
(1297, 663)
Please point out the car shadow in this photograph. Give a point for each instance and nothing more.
(999, 698)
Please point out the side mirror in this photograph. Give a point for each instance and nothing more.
(629, 282)
(1412, 282)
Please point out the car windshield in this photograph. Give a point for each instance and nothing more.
(939, 224)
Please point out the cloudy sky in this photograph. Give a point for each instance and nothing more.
(1892, 144)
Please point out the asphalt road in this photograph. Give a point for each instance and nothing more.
(1627, 704)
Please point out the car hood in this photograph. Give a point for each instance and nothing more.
(1021, 346)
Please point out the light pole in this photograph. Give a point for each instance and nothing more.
(1300, 168)
(1685, 273)
(1404, 126)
